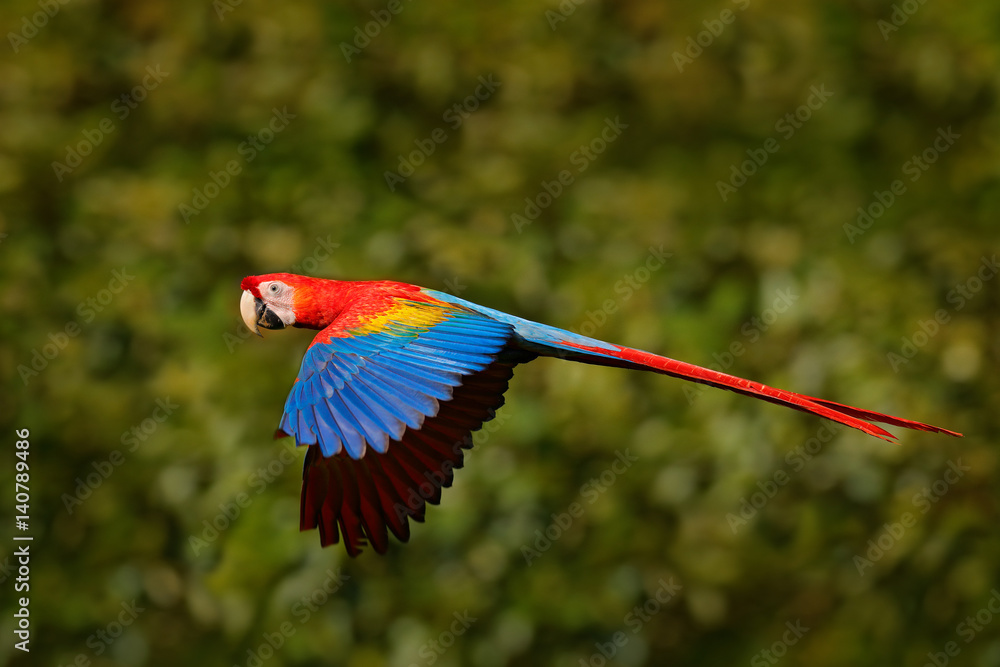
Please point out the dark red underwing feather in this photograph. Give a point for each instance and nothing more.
(371, 507)
(389, 498)
(312, 504)
(361, 501)
(350, 509)
(401, 483)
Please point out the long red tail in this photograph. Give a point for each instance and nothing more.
(626, 357)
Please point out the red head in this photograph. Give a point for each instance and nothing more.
(279, 300)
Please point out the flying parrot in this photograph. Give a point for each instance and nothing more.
(398, 378)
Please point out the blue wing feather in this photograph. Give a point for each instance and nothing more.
(364, 390)
(391, 400)
(422, 355)
(396, 385)
(376, 429)
(348, 430)
(304, 433)
(419, 373)
(329, 442)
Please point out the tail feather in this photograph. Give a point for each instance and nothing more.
(545, 340)
(626, 357)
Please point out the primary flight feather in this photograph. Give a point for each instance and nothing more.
(399, 377)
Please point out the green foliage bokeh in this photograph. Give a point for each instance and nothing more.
(122, 250)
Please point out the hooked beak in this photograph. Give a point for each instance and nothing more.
(255, 312)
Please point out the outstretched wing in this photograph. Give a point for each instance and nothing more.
(379, 378)
(362, 384)
(364, 499)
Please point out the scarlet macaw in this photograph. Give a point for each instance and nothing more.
(398, 378)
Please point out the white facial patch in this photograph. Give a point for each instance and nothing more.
(280, 298)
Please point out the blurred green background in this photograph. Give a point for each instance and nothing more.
(154, 153)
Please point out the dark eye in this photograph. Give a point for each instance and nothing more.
(273, 288)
